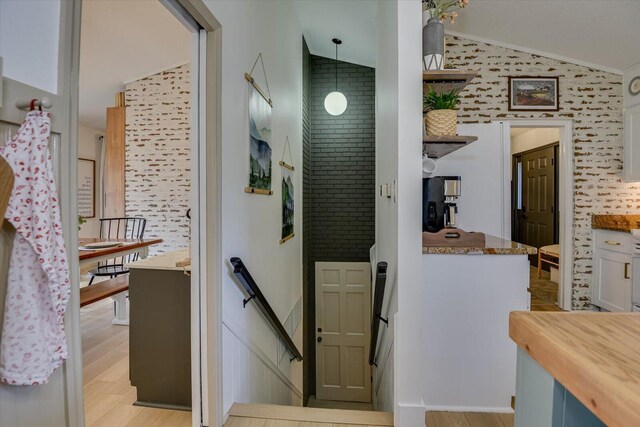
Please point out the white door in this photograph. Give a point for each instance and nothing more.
(343, 331)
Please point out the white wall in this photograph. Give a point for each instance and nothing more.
(534, 138)
(398, 220)
(251, 224)
(386, 209)
(29, 34)
(484, 193)
(629, 74)
(90, 147)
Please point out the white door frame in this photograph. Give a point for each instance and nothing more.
(206, 330)
(565, 196)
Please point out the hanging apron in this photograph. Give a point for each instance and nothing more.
(33, 342)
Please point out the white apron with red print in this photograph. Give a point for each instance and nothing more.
(33, 342)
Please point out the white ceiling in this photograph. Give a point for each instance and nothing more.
(122, 41)
(602, 33)
(352, 21)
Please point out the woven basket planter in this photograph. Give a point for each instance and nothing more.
(442, 123)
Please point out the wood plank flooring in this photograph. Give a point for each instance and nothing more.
(257, 415)
(544, 292)
(468, 419)
(108, 395)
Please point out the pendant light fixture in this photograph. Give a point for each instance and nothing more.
(336, 103)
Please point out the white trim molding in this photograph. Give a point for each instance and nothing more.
(534, 52)
(565, 196)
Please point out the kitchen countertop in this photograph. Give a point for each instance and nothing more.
(593, 355)
(165, 261)
(492, 246)
(624, 223)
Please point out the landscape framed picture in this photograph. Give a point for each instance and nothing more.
(259, 140)
(533, 93)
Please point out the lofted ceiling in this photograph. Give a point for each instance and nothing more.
(601, 33)
(352, 21)
(122, 41)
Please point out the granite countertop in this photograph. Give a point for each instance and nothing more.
(593, 355)
(624, 223)
(492, 246)
(165, 261)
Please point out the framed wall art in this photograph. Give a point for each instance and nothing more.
(260, 107)
(532, 93)
(87, 188)
(287, 195)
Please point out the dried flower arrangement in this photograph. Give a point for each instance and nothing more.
(445, 9)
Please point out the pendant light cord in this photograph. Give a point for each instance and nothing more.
(336, 67)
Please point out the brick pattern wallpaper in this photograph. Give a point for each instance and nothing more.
(157, 169)
(342, 163)
(592, 99)
(339, 178)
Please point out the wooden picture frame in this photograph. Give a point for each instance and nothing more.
(86, 188)
(534, 93)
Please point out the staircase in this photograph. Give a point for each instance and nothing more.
(258, 415)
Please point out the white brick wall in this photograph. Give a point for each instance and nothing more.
(592, 99)
(157, 180)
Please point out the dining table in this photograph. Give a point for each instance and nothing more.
(114, 248)
(126, 247)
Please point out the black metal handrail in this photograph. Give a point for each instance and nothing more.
(250, 285)
(381, 280)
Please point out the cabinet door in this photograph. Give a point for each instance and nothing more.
(611, 280)
(632, 144)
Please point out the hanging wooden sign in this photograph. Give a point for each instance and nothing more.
(260, 107)
(287, 195)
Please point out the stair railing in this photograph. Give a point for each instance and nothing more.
(255, 294)
(378, 299)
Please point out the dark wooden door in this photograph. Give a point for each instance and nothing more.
(537, 217)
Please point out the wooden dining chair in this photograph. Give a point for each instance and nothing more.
(116, 229)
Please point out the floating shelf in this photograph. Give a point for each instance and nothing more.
(447, 80)
(437, 147)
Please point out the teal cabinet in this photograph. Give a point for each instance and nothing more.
(541, 401)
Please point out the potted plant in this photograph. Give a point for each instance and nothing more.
(441, 118)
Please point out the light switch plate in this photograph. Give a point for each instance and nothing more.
(395, 190)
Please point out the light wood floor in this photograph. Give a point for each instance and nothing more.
(257, 415)
(108, 395)
(468, 419)
(334, 404)
(544, 292)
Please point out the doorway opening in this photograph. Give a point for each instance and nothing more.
(541, 205)
(134, 124)
(155, 195)
(534, 202)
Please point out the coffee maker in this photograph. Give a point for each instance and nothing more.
(439, 208)
(451, 194)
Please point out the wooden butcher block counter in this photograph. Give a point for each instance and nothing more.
(595, 356)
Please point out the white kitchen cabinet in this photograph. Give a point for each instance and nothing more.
(611, 285)
(632, 144)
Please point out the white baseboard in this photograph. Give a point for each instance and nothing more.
(444, 408)
(409, 415)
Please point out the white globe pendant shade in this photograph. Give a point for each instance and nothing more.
(335, 103)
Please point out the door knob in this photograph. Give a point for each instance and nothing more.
(319, 339)
(319, 329)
